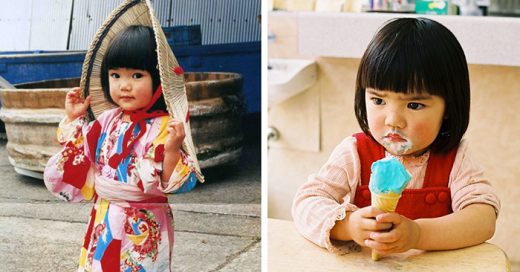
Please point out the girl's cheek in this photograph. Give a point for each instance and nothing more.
(375, 122)
(424, 130)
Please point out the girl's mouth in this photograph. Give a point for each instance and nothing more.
(395, 137)
(396, 143)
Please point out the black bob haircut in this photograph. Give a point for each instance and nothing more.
(418, 55)
(134, 47)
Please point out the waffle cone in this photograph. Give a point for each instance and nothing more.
(385, 202)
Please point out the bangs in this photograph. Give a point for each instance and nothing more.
(403, 60)
(133, 50)
(398, 71)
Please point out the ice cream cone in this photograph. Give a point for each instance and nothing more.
(387, 181)
(387, 203)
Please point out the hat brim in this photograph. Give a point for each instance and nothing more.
(138, 12)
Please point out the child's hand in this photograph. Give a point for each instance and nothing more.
(176, 135)
(74, 107)
(403, 236)
(362, 223)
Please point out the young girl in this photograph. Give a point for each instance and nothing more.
(125, 161)
(412, 103)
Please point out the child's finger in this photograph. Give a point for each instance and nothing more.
(371, 212)
(372, 225)
(74, 93)
(179, 128)
(384, 237)
(173, 121)
(71, 98)
(393, 218)
(87, 101)
(172, 125)
(176, 125)
(382, 248)
(71, 94)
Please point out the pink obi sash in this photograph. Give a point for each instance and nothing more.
(124, 194)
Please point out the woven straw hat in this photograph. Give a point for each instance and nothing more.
(138, 12)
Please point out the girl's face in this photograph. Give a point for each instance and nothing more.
(405, 124)
(130, 89)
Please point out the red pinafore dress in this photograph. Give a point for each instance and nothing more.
(433, 200)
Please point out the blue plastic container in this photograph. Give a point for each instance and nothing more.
(242, 58)
(29, 66)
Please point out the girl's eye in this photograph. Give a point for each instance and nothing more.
(137, 75)
(114, 75)
(415, 106)
(377, 101)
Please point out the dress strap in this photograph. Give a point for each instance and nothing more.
(369, 151)
(439, 168)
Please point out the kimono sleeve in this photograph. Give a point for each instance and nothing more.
(150, 166)
(69, 174)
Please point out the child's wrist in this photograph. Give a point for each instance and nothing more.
(417, 244)
(172, 149)
(68, 120)
(172, 154)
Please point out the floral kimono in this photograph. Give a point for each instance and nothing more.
(131, 225)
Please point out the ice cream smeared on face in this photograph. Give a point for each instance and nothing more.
(388, 176)
(396, 143)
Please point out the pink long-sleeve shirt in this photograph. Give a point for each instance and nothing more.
(329, 194)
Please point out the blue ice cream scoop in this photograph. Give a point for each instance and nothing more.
(388, 175)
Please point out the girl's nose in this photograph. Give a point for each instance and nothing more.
(395, 119)
(125, 85)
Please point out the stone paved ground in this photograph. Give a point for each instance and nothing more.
(217, 224)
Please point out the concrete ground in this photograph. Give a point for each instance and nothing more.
(217, 225)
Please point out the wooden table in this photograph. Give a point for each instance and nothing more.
(289, 251)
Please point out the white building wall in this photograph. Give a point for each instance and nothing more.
(50, 23)
(87, 17)
(71, 24)
(15, 25)
(34, 24)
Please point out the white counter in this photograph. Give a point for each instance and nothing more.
(485, 40)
